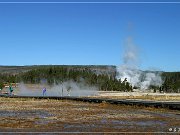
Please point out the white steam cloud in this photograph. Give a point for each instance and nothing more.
(130, 69)
(68, 88)
(131, 53)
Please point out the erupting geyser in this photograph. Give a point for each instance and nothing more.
(129, 69)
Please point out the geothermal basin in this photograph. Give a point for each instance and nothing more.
(52, 115)
(105, 112)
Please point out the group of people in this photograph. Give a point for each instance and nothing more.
(43, 91)
(11, 90)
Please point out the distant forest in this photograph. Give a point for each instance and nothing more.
(103, 77)
(171, 82)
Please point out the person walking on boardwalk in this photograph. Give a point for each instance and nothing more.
(10, 89)
(68, 90)
(44, 91)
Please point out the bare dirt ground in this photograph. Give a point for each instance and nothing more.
(45, 115)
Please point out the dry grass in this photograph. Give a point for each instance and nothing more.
(145, 97)
(62, 115)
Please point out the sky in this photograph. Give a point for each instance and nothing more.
(89, 33)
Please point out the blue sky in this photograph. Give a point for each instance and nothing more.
(89, 34)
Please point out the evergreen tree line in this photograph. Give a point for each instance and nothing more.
(57, 75)
(171, 82)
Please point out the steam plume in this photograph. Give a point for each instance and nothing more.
(129, 69)
(131, 53)
(68, 88)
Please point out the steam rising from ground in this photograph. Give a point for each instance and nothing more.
(130, 70)
(130, 56)
(68, 88)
